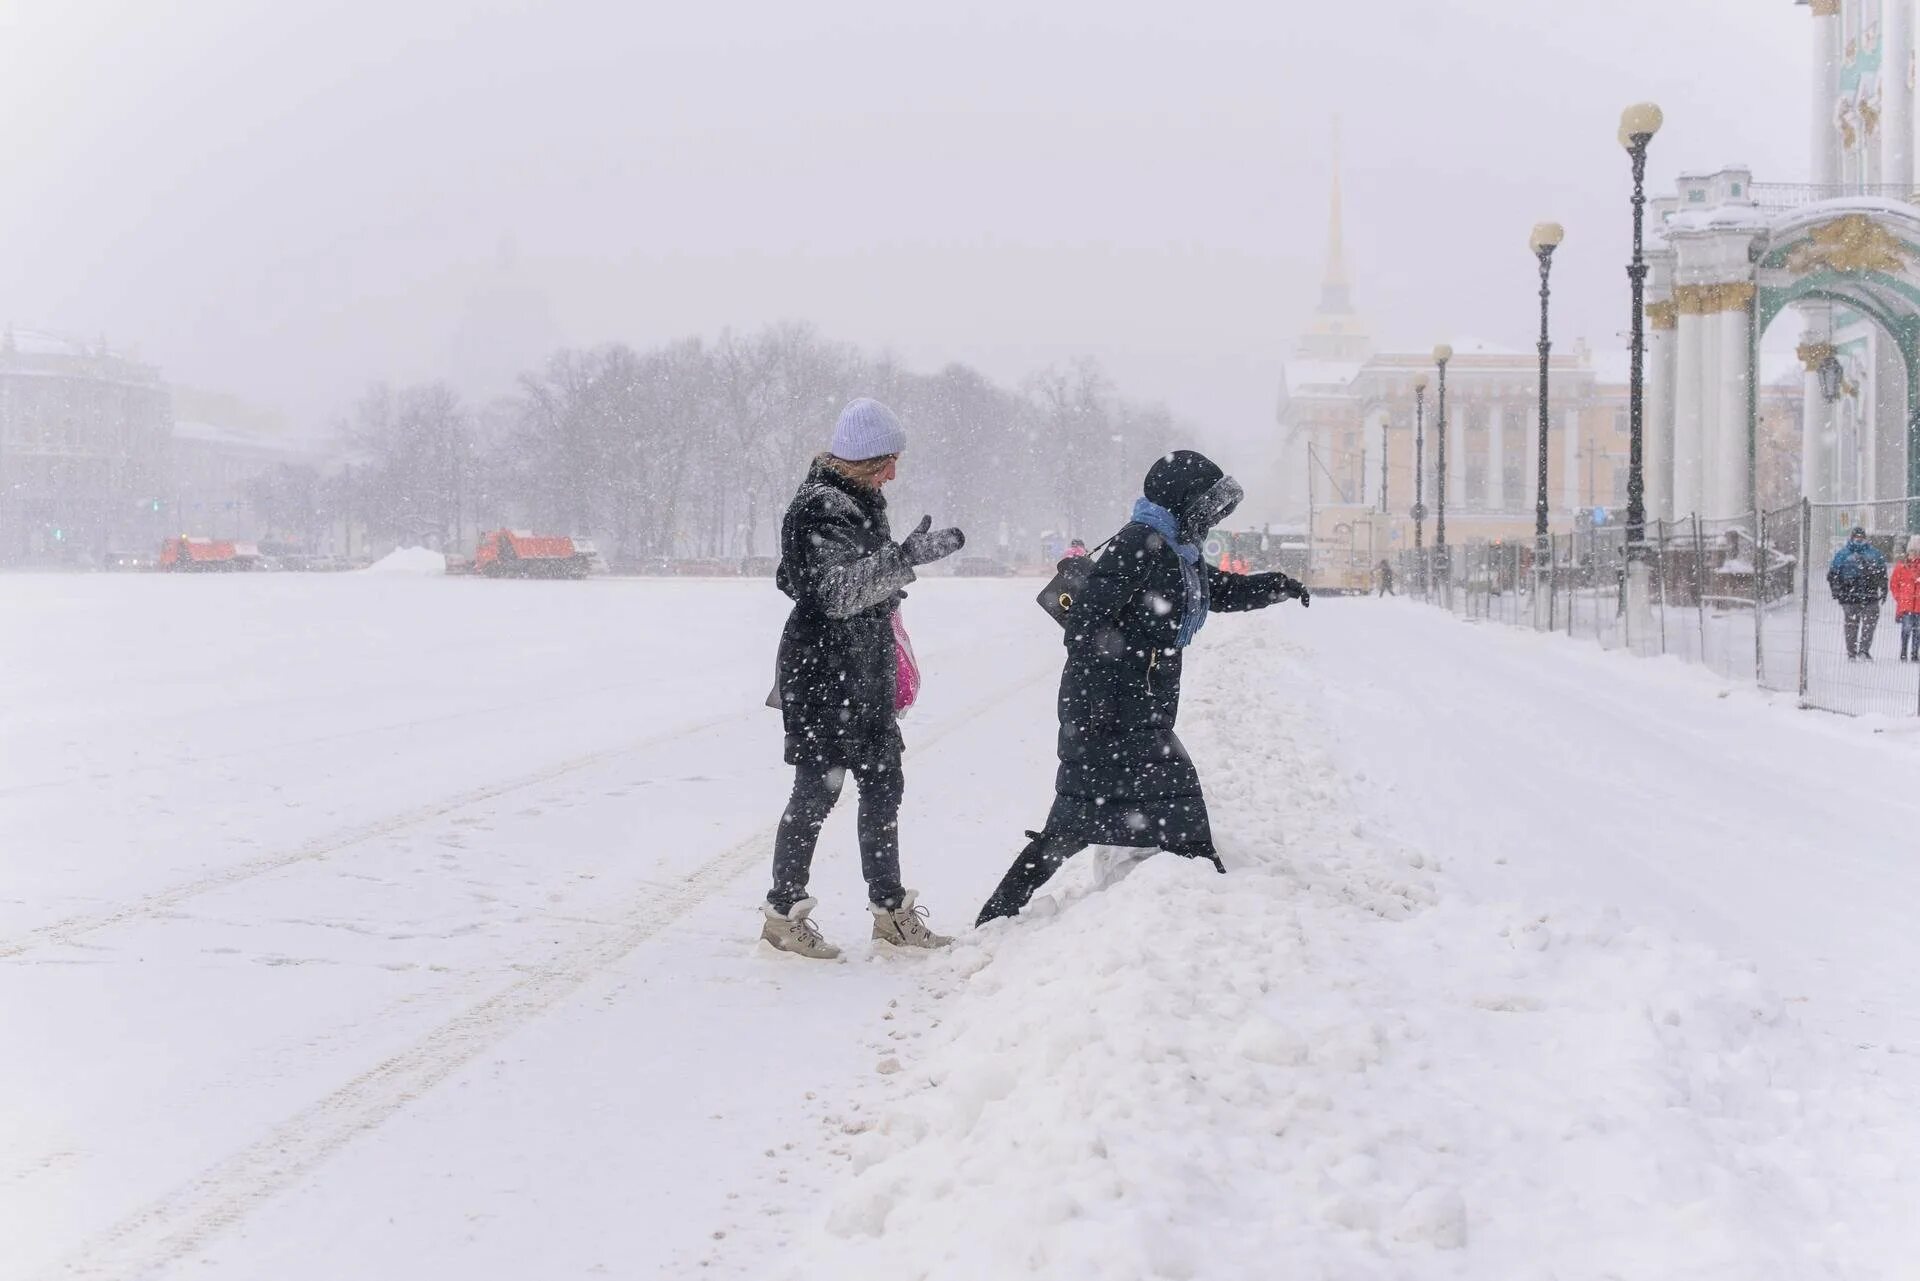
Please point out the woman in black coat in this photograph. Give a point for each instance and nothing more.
(836, 675)
(1125, 778)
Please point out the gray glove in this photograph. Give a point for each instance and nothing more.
(926, 544)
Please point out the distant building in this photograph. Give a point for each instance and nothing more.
(1343, 406)
(98, 456)
(83, 450)
(221, 449)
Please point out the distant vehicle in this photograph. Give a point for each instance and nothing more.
(980, 567)
(516, 553)
(596, 563)
(189, 555)
(127, 562)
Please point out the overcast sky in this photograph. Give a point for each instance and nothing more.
(287, 201)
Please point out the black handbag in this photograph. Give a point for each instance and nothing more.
(1068, 583)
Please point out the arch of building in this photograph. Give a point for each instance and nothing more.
(1727, 261)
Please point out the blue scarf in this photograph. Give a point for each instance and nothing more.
(1161, 521)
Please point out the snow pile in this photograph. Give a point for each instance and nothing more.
(1332, 1063)
(409, 560)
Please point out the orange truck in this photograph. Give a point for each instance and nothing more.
(515, 553)
(189, 555)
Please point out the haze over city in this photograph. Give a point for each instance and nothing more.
(290, 202)
(1030, 640)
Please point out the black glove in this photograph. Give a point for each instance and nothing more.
(926, 544)
(1293, 587)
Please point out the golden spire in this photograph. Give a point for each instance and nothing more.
(1336, 280)
(1337, 332)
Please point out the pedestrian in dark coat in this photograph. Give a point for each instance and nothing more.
(1857, 577)
(836, 675)
(1124, 777)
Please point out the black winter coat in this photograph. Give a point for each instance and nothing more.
(836, 675)
(1125, 778)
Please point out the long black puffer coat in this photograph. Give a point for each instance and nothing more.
(1125, 778)
(836, 676)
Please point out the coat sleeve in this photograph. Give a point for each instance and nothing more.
(1231, 593)
(841, 578)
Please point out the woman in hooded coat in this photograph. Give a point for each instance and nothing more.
(836, 676)
(1125, 778)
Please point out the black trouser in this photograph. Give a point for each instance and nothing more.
(815, 789)
(1857, 624)
(1034, 865)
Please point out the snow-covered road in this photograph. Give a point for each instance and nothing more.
(1550, 770)
(389, 927)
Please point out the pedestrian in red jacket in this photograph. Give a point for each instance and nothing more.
(1905, 585)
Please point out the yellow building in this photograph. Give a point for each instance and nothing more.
(1351, 426)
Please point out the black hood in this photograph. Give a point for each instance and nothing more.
(1192, 487)
(1179, 478)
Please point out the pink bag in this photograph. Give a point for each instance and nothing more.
(906, 670)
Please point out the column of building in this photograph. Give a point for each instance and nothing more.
(1570, 460)
(1896, 89)
(1662, 323)
(1732, 487)
(1816, 411)
(1691, 412)
(1825, 135)
(1457, 450)
(1496, 459)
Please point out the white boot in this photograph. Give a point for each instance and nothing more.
(905, 926)
(795, 933)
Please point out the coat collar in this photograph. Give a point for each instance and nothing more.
(871, 501)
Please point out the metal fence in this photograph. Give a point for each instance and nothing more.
(1749, 597)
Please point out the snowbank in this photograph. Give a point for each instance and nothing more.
(1333, 1063)
(409, 560)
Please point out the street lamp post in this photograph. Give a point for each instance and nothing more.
(1545, 239)
(1385, 423)
(1638, 124)
(1420, 478)
(1441, 355)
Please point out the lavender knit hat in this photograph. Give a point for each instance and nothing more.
(867, 429)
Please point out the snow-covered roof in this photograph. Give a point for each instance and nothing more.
(45, 342)
(1480, 347)
(1321, 373)
(1719, 216)
(1826, 210)
(39, 342)
(227, 438)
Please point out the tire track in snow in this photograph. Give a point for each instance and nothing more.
(255, 751)
(173, 1227)
(73, 927)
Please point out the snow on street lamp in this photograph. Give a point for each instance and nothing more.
(1638, 124)
(1441, 355)
(1545, 239)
